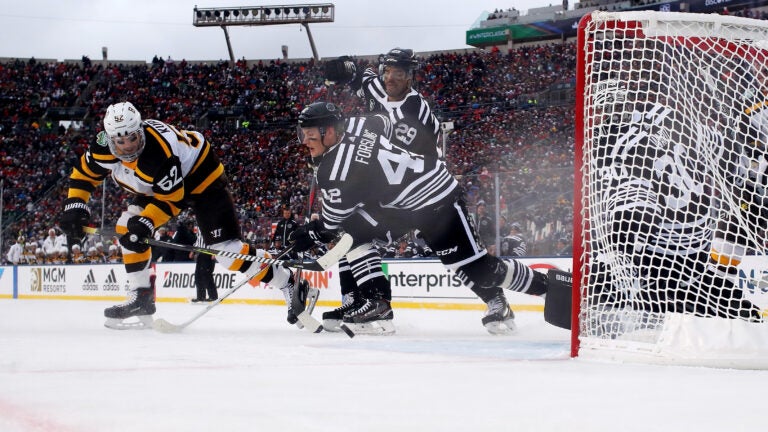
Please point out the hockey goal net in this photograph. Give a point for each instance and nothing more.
(671, 214)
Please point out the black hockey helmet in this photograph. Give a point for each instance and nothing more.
(321, 114)
(400, 57)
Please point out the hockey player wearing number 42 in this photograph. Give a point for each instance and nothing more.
(361, 173)
(167, 170)
(389, 91)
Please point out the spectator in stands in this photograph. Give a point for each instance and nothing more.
(77, 255)
(486, 228)
(563, 247)
(51, 244)
(114, 256)
(513, 244)
(16, 251)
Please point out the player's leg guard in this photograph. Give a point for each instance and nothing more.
(295, 297)
(558, 300)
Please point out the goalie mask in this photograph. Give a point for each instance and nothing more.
(320, 115)
(609, 97)
(123, 126)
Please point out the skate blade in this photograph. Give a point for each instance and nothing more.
(309, 322)
(375, 328)
(144, 322)
(501, 328)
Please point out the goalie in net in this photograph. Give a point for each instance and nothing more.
(677, 167)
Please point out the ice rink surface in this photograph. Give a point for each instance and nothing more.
(243, 368)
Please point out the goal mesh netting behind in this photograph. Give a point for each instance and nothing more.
(671, 202)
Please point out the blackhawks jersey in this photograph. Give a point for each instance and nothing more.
(174, 165)
(653, 185)
(415, 126)
(367, 172)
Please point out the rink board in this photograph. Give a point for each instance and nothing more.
(415, 283)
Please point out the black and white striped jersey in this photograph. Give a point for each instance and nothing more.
(367, 171)
(415, 126)
(653, 184)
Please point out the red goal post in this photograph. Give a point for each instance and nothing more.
(671, 203)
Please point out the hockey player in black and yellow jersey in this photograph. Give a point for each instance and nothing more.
(167, 170)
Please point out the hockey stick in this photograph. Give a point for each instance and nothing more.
(306, 320)
(164, 326)
(323, 263)
(329, 259)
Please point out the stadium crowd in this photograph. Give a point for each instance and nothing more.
(504, 132)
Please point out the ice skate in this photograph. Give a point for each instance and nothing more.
(140, 304)
(197, 301)
(332, 319)
(373, 317)
(499, 319)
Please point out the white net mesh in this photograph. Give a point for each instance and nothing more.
(673, 201)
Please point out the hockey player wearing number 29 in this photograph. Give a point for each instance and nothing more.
(360, 172)
(167, 170)
(389, 91)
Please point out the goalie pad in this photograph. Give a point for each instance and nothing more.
(557, 303)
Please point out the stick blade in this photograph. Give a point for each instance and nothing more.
(164, 326)
(309, 322)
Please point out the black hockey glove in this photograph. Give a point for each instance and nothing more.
(76, 215)
(312, 234)
(140, 228)
(341, 70)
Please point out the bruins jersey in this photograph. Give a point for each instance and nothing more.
(365, 171)
(173, 165)
(415, 126)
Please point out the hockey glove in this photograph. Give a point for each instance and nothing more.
(312, 234)
(341, 70)
(140, 228)
(76, 215)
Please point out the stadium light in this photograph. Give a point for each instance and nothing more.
(303, 14)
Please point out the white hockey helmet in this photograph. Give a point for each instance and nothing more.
(123, 126)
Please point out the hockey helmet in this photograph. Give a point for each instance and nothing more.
(320, 115)
(123, 126)
(399, 57)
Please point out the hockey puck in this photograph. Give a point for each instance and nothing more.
(348, 331)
